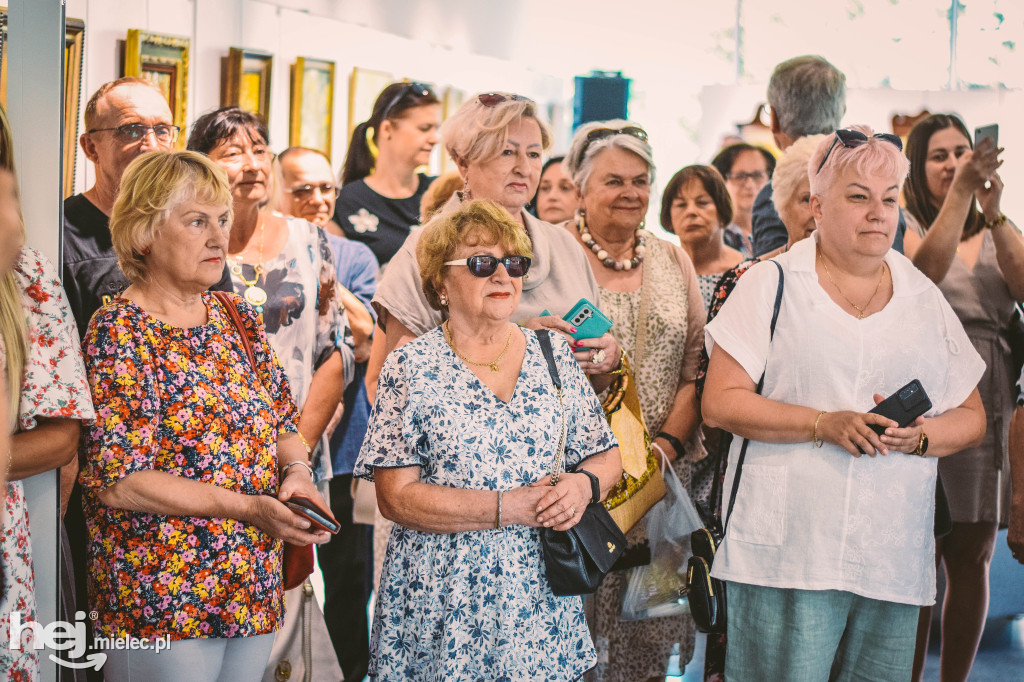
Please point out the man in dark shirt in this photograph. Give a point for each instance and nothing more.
(123, 119)
(807, 96)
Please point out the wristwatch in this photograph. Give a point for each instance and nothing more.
(922, 445)
(595, 485)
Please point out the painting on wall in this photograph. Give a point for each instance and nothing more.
(74, 51)
(312, 104)
(363, 88)
(245, 81)
(163, 60)
(452, 100)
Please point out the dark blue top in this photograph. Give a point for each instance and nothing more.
(356, 268)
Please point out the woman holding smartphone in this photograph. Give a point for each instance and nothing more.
(976, 257)
(649, 288)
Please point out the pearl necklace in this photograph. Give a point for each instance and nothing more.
(604, 256)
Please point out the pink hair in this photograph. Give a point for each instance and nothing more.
(877, 157)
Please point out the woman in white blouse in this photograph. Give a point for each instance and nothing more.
(829, 555)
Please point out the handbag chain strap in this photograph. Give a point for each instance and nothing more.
(760, 387)
(543, 336)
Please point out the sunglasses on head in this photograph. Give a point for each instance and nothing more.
(415, 88)
(493, 99)
(854, 138)
(485, 266)
(602, 133)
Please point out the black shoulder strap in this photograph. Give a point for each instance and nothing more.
(760, 386)
(543, 336)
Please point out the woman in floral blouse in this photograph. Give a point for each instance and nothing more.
(193, 450)
(43, 362)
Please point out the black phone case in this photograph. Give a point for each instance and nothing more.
(903, 406)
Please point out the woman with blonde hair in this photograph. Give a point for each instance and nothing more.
(44, 381)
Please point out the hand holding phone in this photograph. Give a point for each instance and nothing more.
(987, 132)
(903, 406)
(590, 322)
(321, 518)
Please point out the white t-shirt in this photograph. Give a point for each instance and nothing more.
(817, 518)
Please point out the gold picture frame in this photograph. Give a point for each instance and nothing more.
(312, 104)
(74, 52)
(363, 88)
(245, 81)
(164, 60)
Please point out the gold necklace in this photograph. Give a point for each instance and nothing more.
(255, 295)
(493, 364)
(860, 310)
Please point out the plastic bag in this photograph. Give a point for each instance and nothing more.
(659, 588)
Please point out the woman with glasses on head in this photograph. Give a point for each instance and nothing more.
(746, 170)
(462, 439)
(380, 188)
(696, 208)
(283, 267)
(649, 290)
(976, 258)
(838, 542)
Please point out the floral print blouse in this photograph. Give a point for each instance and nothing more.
(183, 401)
(53, 385)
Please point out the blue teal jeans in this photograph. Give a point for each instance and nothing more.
(817, 635)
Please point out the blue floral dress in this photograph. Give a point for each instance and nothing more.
(476, 605)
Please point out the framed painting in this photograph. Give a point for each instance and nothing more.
(163, 60)
(245, 81)
(74, 46)
(363, 88)
(312, 104)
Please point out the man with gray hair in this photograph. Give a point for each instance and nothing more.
(807, 96)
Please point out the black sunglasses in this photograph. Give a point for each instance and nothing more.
(602, 133)
(493, 99)
(485, 266)
(855, 138)
(410, 88)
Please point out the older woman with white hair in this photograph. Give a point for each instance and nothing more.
(195, 451)
(828, 554)
(649, 289)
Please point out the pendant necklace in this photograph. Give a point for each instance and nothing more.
(253, 293)
(493, 364)
(860, 309)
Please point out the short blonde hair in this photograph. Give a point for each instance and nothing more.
(473, 223)
(876, 157)
(791, 168)
(153, 185)
(478, 133)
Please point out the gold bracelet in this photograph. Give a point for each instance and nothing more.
(996, 222)
(621, 367)
(309, 450)
(814, 435)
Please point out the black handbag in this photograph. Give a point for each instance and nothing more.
(577, 559)
(706, 594)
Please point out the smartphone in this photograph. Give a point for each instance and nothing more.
(903, 406)
(317, 515)
(590, 322)
(982, 132)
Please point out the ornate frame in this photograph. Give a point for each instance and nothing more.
(312, 113)
(164, 60)
(238, 87)
(74, 51)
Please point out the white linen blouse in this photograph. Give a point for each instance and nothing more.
(817, 518)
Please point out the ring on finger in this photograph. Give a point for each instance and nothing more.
(572, 511)
(598, 357)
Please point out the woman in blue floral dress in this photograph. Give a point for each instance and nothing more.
(461, 442)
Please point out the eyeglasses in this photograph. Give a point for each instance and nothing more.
(756, 176)
(485, 266)
(602, 133)
(410, 88)
(493, 99)
(133, 132)
(854, 138)
(305, 192)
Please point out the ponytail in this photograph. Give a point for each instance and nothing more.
(360, 159)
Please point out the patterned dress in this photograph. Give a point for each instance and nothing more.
(476, 605)
(638, 650)
(182, 401)
(53, 386)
